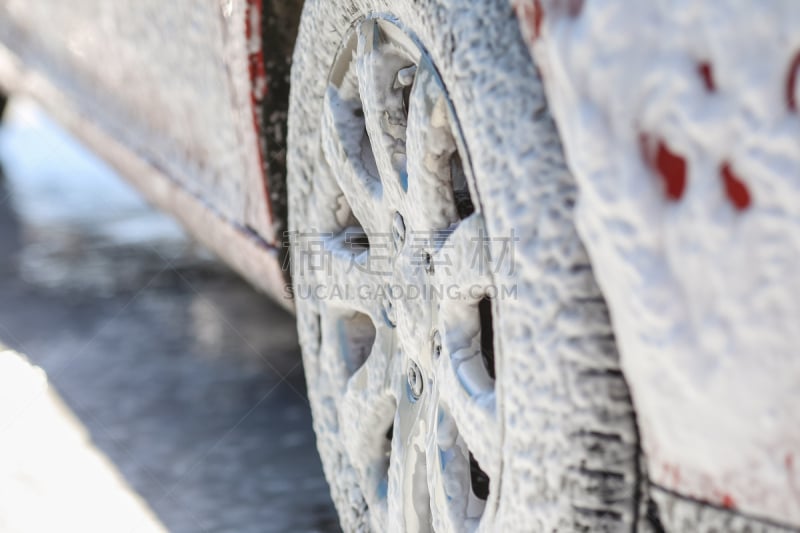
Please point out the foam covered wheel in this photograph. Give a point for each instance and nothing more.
(461, 367)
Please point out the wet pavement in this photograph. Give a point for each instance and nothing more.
(182, 377)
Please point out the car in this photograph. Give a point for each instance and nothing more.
(541, 253)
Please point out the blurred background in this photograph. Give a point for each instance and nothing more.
(143, 385)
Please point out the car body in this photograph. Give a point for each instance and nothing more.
(680, 123)
(204, 148)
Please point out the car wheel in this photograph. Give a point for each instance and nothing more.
(461, 366)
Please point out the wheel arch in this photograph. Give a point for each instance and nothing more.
(271, 28)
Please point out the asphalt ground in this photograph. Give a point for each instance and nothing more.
(144, 386)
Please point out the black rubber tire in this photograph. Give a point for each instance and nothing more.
(570, 452)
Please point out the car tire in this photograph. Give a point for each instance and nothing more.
(414, 430)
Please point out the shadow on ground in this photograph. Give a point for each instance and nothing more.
(184, 377)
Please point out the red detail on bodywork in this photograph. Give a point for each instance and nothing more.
(728, 502)
(671, 167)
(532, 12)
(258, 84)
(735, 188)
(704, 69)
(673, 474)
(791, 82)
(789, 460)
(258, 74)
(533, 15)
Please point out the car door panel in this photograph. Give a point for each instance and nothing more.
(170, 80)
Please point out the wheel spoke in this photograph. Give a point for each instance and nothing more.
(345, 341)
(366, 415)
(469, 395)
(464, 257)
(342, 273)
(431, 147)
(347, 151)
(382, 100)
(453, 505)
(409, 500)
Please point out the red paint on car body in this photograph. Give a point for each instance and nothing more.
(791, 82)
(533, 15)
(672, 474)
(728, 501)
(789, 461)
(670, 167)
(707, 75)
(735, 189)
(258, 85)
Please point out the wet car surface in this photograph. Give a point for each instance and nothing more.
(183, 376)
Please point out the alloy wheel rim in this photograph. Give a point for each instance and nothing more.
(405, 264)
